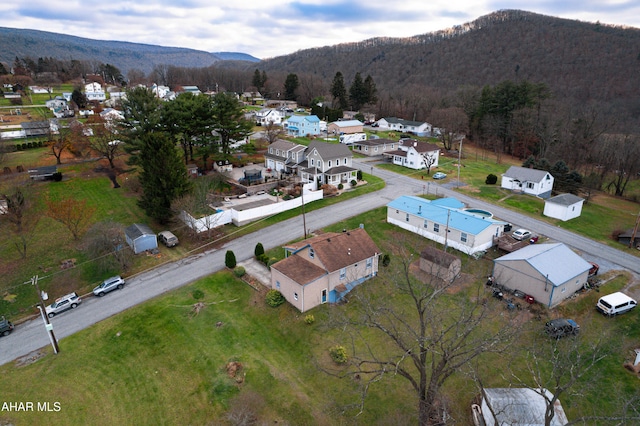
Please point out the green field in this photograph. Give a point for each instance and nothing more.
(163, 363)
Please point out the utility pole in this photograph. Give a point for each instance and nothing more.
(635, 232)
(304, 220)
(43, 312)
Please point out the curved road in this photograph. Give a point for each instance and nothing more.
(31, 335)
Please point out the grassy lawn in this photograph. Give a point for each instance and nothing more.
(161, 363)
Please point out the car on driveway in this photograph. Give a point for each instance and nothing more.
(168, 238)
(64, 303)
(108, 285)
(561, 327)
(439, 175)
(521, 234)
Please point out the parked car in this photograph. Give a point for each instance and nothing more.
(108, 285)
(168, 238)
(439, 175)
(521, 234)
(5, 327)
(615, 304)
(64, 303)
(561, 327)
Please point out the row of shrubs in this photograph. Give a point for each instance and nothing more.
(28, 145)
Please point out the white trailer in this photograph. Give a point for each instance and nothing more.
(353, 138)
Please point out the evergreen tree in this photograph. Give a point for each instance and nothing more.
(163, 175)
(141, 111)
(291, 84)
(229, 121)
(259, 79)
(339, 92)
(230, 259)
(259, 250)
(371, 90)
(357, 93)
(79, 98)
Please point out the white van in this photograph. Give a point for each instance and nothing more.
(615, 303)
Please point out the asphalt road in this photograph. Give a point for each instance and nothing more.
(31, 335)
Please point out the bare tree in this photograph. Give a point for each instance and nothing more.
(451, 122)
(105, 141)
(59, 142)
(194, 208)
(427, 340)
(23, 218)
(272, 132)
(106, 244)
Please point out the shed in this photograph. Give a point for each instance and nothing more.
(549, 272)
(42, 173)
(440, 264)
(625, 238)
(140, 238)
(517, 406)
(563, 206)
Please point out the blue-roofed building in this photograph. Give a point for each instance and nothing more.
(445, 221)
(548, 272)
(302, 125)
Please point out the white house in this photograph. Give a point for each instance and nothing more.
(549, 272)
(327, 163)
(414, 154)
(563, 206)
(530, 181)
(445, 221)
(268, 116)
(94, 92)
(419, 128)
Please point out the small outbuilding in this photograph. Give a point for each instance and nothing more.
(549, 272)
(516, 407)
(563, 206)
(440, 264)
(140, 238)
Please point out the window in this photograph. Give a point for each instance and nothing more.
(463, 237)
(343, 273)
(329, 163)
(345, 161)
(369, 263)
(436, 227)
(312, 162)
(407, 217)
(530, 185)
(324, 296)
(295, 296)
(277, 152)
(278, 285)
(312, 253)
(426, 224)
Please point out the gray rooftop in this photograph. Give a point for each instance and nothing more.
(565, 199)
(524, 174)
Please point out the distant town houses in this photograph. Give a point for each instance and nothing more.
(267, 116)
(94, 92)
(418, 128)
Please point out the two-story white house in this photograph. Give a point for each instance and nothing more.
(327, 163)
(284, 156)
(268, 116)
(94, 92)
(414, 154)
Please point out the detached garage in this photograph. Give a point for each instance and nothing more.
(563, 206)
(140, 238)
(548, 272)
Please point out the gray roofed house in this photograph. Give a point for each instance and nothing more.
(140, 238)
(284, 156)
(563, 206)
(419, 128)
(39, 128)
(327, 163)
(374, 147)
(530, 181)
(414, 154)
(550, 273)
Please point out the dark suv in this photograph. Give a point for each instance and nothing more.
(5, 327)
(561, 327)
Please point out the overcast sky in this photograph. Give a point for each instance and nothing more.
(278, 27)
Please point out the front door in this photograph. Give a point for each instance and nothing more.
(324, 296)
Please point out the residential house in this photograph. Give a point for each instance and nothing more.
(345, 126)
(140, 238)
(94, 92)
(325, 268)
(282, 104)
(442, 265)
(530, 181)
(160, 91)
(369, 117)
(222, 166)
(284, 156)
(252, 98)
(445, 221)
(191, 89)
(59, 106)
(550, 273)
(374, 147)
(563, 206)
(39, 90)
(111, 115)
(414, 154)
(302, 125)
(418, 128)
(517, 407)
(39, 128)
(268, 116)
(327, 163)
